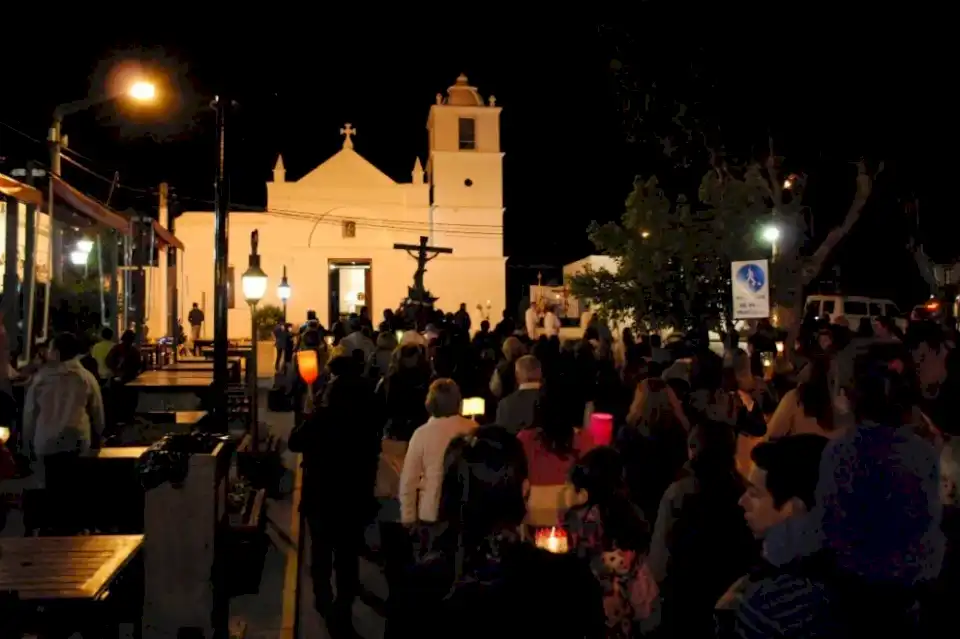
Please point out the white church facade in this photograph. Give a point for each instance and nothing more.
(334, 229)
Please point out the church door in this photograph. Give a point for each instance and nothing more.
(350, 289)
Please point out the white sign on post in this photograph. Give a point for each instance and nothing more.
(751, 289)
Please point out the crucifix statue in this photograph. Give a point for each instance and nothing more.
(348, 132)
(420, 253)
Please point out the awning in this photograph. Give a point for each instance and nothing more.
(23, 192)
(165, 237)
(90, 208)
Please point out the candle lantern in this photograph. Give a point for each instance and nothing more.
(308, 366)
(473, 406)
(601, 428)
(309, 371)
(552, 539)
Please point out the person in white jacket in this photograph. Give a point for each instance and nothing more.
(62, 419)
(422, 474)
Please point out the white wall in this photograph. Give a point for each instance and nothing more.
(304, 229)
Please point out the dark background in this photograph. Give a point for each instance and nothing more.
(827, 94)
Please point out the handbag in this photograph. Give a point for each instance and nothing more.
(389, 467)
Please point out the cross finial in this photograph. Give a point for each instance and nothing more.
(348, 132)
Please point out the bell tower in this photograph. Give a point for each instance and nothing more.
(465, 165)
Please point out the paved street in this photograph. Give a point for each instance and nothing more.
(263, 612)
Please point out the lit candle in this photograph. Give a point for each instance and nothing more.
(552, 540)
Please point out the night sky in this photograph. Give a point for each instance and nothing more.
(826, 99)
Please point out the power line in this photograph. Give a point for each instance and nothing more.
(463, 229)
(370, 222)
(21, 133)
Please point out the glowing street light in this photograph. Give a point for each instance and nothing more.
(644, 234)
(143, 91)
(254, 285)
(283, 292)
(85, 245)
(79, 258)
(771, 234)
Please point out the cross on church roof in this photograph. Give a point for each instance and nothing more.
(348, 132)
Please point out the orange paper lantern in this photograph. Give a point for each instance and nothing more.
(308, 366)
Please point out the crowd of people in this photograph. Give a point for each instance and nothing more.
(810, 491)
(60, 405)
(765, 492)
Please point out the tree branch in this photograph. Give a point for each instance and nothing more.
(864, 189)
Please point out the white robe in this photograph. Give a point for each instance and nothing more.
(530, 319)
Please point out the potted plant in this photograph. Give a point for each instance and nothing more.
(266, 319)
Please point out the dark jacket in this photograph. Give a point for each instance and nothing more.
(522, 592)
(340, 443)
(517, 410)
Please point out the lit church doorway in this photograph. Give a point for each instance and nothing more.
(351, 288)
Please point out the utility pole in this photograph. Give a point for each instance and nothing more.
(54, 234)
(173, 315)
(220, 258)
(10, 305)
(30, 265)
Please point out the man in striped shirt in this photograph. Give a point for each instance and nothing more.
(786, 601)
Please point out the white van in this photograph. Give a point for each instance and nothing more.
(851, 307)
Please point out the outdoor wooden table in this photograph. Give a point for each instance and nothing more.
(172, 390)
(64, 568)
(179, 417)
(165, 381)
(205, 365)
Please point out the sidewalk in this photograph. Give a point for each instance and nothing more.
(263, 612)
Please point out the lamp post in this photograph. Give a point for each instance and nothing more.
(139, 91)
(254, 283)
(283, 292)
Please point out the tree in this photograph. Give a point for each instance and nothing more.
(673, 257)
(718, 182)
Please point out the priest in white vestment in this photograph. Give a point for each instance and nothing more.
(531, 318)
(551, 323)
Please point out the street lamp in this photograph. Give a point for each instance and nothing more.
(79, 258)
(771, 234)
(283, 292)
(143, 91)
(140, 91)
(254, 284)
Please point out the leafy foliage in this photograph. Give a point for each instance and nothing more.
(266, 318)
(674, 253)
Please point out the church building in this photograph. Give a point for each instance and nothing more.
(334, 229)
